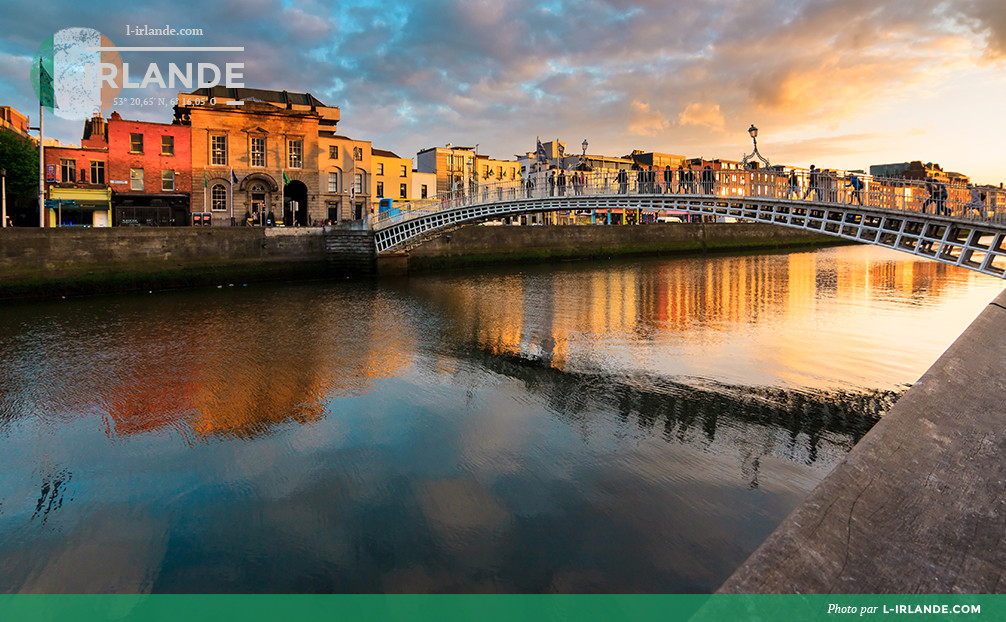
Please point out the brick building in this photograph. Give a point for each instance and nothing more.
(76, 182)
(149, 170)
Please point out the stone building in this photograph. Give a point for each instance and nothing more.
(257, 152)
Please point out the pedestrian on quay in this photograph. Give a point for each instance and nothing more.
(812, 183)
(857, 186)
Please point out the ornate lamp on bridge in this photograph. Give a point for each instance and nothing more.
(583, 156)
(753, 131)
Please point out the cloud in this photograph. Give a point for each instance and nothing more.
(624, 73)
(703, 115)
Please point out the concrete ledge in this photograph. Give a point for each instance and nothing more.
(919, 505)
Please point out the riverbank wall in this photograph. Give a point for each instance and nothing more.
(919, 504)
(40, 263)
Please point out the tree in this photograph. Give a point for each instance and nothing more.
(19, 156)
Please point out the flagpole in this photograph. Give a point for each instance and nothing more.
(231, 196)
(204, 193)
(41, 147)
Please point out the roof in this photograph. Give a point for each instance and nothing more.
(263, 95)
(385, 154)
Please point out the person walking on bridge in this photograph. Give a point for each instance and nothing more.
(668, 178)
(975, 204)
(857, 186)
(551, 183)
(561, 182)
(623, 181)
(682, 187)
(812, 183)
(794, 184)
(931, 191)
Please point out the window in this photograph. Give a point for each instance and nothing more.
(258, 151)
(402, 191)
(136, 143)
(422, 191)
(67, 170)
(358, 183)
(295, 151)
(219, 194)
(380, 189)
(167, 181)
(136, 179)
(218, 150)
(404, 172)
(357, 153)
(97, 172)
(333, 152)
(167, 145)
(380, 168)
(333, 182)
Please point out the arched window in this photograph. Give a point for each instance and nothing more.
(219, 195)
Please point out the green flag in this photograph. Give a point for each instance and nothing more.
(206, 183)
(286, 179)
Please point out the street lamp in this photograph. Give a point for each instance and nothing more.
(753, 131)
(583, 158)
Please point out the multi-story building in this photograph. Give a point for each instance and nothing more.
(14, 121)
(345, 168)
(453, 166)
(149, 169)
(258, 153)
(391, 178)
(76, 182)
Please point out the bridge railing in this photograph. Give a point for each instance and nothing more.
(825, 186)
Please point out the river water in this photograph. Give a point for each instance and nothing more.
(632, 426)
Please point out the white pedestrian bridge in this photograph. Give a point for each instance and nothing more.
(958, 226)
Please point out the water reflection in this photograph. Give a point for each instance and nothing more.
(627, 426)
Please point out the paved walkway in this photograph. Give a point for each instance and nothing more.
(919, 505)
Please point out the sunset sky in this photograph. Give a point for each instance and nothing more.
(842, 84)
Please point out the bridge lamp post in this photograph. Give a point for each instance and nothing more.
(3, 196)
(753, 131)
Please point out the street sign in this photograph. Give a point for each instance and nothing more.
(50, 204)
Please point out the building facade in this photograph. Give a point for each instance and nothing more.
(76, 184)
(344, 165)
(392, 176)
(257, 152)
(149, 170)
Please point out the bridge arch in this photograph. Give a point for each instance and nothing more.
(889, 213)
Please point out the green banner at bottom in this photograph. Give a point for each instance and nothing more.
(497, 608)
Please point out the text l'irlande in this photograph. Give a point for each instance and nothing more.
(206, 75)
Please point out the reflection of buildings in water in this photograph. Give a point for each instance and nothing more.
(549, 313)
(231, 377)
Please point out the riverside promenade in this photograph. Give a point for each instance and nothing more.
(919, 505)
